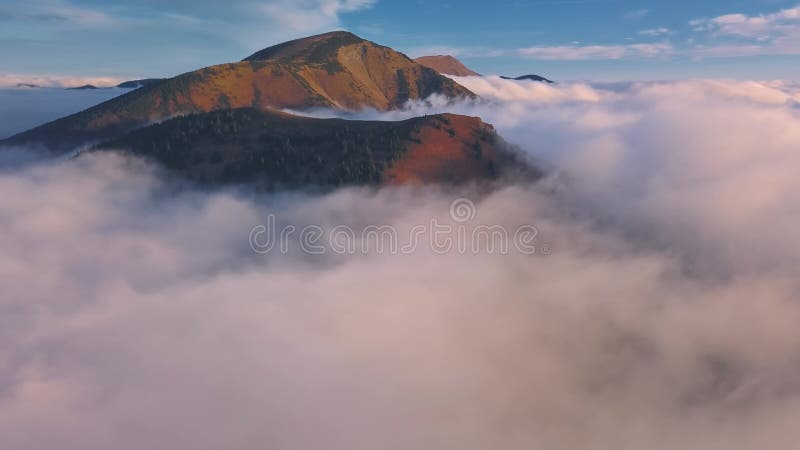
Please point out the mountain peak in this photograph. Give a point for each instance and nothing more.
(529, 78)
(313, 48)
(446, 64)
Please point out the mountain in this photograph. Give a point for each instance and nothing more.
(529, 77)
(275, 149)
(85, 87)
(333, 70)
(347, 72)
(446, 64)
(136, 84)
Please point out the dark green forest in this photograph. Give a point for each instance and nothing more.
(274, 149)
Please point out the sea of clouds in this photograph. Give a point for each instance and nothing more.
(134, 313)
(24, 108)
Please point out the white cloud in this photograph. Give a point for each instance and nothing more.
(310, 15)
(653, 32)
(135, 316)
(761, 26)
(515, 93)
(12, 80)
(637, 14)
(776, 33)
(253, 24)
(59, 14)
(573, 52)
(729, 35)
(591, 52)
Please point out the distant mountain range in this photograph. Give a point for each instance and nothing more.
(447, 65)
(224, 123)
(133, 84)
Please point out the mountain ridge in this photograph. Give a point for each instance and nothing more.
(336, 70)
(447, 65)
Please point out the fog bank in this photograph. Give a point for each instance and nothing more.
(136, 316)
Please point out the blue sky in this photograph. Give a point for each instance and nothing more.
(68, 41)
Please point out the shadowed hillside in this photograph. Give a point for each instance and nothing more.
(280, 150)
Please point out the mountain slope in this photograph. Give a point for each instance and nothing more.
(276, 150)
(446, 64)
(334, 70)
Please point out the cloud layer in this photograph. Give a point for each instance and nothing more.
(134, 314)
(29, 107)
(588, 52)
(15, 80)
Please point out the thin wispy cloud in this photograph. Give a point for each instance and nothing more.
(637, 14)
(59, 14)
(572, 52)
(181, 35)
(596, 52)
(762, 26)
(250, 23)
(467, 52)
(654, 32)
(776, 33)
(729, 35)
